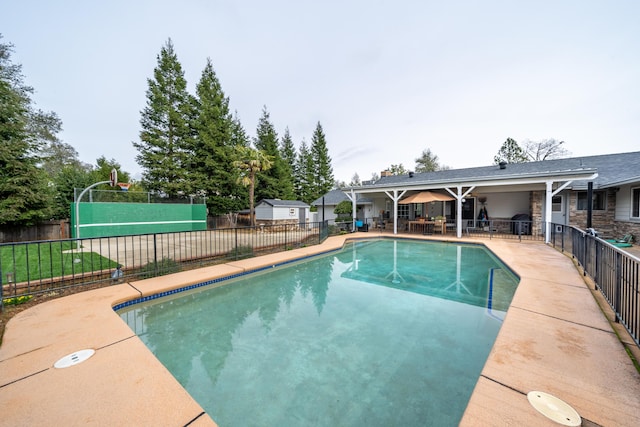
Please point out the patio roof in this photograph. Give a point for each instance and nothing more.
(604, 170)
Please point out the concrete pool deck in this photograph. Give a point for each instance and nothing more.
(555, 339)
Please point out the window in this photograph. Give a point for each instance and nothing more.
(635, 202)
(403, 211)
(599, 201)
(556, 204)
(417, 209)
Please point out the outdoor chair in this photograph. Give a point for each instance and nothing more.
(627, 238)
(625, 242)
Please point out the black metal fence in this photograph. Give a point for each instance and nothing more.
(32, 268)
(615, 272)
(500, 229)
(506, 229)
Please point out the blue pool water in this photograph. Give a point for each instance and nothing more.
(384, 332)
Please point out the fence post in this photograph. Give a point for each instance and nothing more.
(585, 239)
(596, 278)
(155, 253)
(236, 251)
(520, 231)
(617, 298)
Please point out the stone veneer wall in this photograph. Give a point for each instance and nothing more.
(602, 221)
(272, 225)
(625, 227)
(537, 218)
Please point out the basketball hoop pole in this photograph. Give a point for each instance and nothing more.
(112, 178)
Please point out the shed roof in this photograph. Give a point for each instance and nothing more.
(278, 203)
(334, 197)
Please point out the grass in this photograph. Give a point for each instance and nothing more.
(35, 261)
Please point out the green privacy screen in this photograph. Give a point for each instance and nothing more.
(117, 219)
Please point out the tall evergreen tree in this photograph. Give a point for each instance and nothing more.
(102, 170)
(306, 174)
(276, 182)
(510, 152)
(213, 169)
(428, 162)
(288, 151)
(25, 197)
(238, 134)
(322, 163)
(166, 139)
(398, 169)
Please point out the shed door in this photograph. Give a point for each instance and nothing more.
(301, 215)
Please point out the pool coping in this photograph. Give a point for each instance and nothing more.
(555, 339)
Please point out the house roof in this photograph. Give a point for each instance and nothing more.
(334, 197)
(612, 169)
(277, 203)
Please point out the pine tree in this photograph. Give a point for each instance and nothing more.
(322, 163)
(25, 197)
(238, 134)
(276, 182)
(428, 162)
(166, 140)
(213, 168)
(306, 174)
(510, 152)
(288, 151)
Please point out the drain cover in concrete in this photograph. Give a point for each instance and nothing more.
(554, 408)
(74, 358)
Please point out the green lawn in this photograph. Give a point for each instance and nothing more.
(35, 261)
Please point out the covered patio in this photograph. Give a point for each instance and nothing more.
(458, 202)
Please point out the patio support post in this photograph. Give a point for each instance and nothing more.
(395, 197)
(459, 213)
(395, 211)
(353, 211)
(548, 208)
(459, 195)
(547, 212)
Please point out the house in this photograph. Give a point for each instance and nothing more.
(276, 211)
(552, 191)
(327, 204)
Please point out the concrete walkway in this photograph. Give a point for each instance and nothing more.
(555, 339)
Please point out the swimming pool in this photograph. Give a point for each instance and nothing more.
(384, 332)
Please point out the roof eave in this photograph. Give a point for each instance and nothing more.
(534, 178)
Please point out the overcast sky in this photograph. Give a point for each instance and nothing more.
(386, 80)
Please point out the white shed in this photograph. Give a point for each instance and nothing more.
(282, 211)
